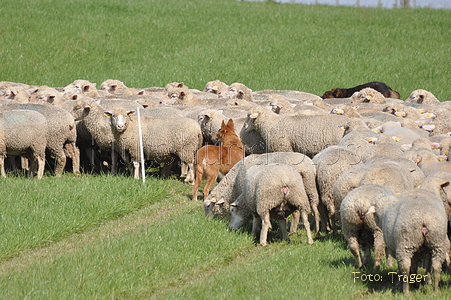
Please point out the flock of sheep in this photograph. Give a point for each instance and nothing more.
(377, 167)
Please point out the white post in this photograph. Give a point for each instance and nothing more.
(143, 167)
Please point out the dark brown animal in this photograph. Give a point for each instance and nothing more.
(212, 160)
(346, 93)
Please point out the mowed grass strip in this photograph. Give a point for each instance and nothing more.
(263, 45)
(37, 212)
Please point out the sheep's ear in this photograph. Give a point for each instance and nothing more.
(114, 86)
(254, 115)
(87, 107)
(130, 112)
(444, 184)
(234, 204)
(180, 85)
(141, 92)
(220, 201)
(107, 114)
(406, 147)
(86, 88)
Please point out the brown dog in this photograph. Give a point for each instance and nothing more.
(346, 93)
(212, 160)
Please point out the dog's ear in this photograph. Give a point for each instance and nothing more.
(230, 124)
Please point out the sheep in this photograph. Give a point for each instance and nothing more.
(218, 202)
(273, 190)
(427, 160)
(162, 139)
(23, 132)
(368, 95)
(47, 95)
(83, 87)
(236, 91)
(62, 134)
(215, 86)
(361, 229)
(117, 87)
(306, 134)
(410, 232)
(330, 164)
(358, 141)
(17, 93)
(280, 105)
(421, 96)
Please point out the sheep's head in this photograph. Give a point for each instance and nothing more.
(119, 118)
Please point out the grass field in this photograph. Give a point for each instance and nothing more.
(105, 237)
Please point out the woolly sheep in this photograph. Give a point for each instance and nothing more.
(361, 229)
(408, 230)
(421, 96)
(230, 187)
(271, 191)
(368, 95)
(47, 95)
(62, 134)
(236, 91)
(305, 134)
(162, 138)
(215, 86)
(83, 87)
(23, 131)
(117, 87)
(17, 93)
(330, 164)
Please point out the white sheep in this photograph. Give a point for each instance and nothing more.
(421, 96)
(414, 224)
(23, 131)
(358, 228)
(368, 95)
(162, 139)
(215, 86)
(236, 91)
(271, 191)
(83, 87)
(117, 87)
(305, 134)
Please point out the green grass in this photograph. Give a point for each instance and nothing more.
(264, 45)
(113, 237)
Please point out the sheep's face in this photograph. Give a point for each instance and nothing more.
(119, 119)
(237, 216)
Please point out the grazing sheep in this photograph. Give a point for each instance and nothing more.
(23, 132)
(305, 134)
(359, 228)
(330, 164)
(215, 86)
(62, 134)
(162, 140)
(271, 191)
(368, 95)
(411, 233)
(381, 87)
(230, 187)
(422, 97)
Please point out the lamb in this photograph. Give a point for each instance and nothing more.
(361, 229)
(23, 132)
(162, 139)
(411, 233)
(330, 164)
(62, 134)
(306, 134)
(422, 97)
(230, 187)
(368, 95)
(273, 190)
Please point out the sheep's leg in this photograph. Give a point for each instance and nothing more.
(317, 217)
(324, 217)
(60, 162)
(190, 171)
(266, 225)
(354, 247)
(404, 269)
(41, 167)
(438, 258)
(283, 229)
(295, 221)
(256, 222)
(71, 151)
(2, 165)
(366, 254)
(379, 249)
(136, 169)
(307, 226)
